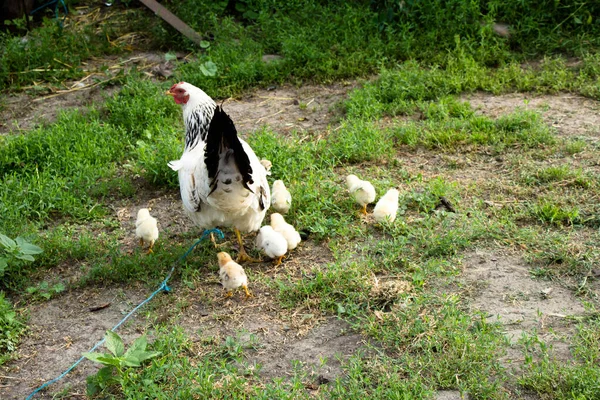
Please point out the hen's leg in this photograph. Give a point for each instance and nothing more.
(150, 248)
(242, 255)
(364, 210)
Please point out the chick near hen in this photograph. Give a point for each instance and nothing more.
(290, 234)
(387, 207)
(362, 191)
(281, 198)
(272, 243)
(267, 164)
(146, 228)
(232, 274)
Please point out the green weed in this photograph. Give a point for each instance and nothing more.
(11, 328)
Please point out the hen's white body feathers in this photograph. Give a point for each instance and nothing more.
(281, 198)
(228, 202)
(387, 207)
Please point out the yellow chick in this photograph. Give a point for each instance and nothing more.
(362, 191)
(232, 275)
(387, 207)
(267, 164)
(272, 243)
(290, 234)
(281, 199)
(146, 228)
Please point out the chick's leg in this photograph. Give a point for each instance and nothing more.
(279, 260)
(364, 209)
(150, 248)
(248, 294)
(228, 294)
(242, 256)
(214, 241)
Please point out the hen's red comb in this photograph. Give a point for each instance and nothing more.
(177, 84)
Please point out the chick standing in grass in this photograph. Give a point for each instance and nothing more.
(290, 234)
(387, 207)
(146, 228)
(272, 243)
(281, 199)
(267, 164)
(232, 275)
(362, 191)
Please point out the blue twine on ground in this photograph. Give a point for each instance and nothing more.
(57, 2)
(163, 286)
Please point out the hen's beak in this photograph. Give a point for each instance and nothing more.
(169, 93)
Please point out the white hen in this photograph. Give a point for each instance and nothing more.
(221, 180)
(232, 274)
(362, 191)
(387, 207)
(281, 198)
(290, 234)
(272, 243)
(146, 228)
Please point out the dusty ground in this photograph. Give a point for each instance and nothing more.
(501, 285)
(498, 283)
(571, 115)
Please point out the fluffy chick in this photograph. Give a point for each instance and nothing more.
(146, 228)
(387, 207)
(281, 199)
(290, 234)
(232, 275)
(267, 164)
(272, 243)
(362, 191)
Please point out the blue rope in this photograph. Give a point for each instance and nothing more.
(163, 286)
(57, 2)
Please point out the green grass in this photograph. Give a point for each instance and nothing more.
(406, 128)
(12, 327)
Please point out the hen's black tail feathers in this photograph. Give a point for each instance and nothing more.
(222, 141)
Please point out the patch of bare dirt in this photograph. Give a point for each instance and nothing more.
(60, 330)
(24, 111)
(570, 115)
(310, 108)
(502, 286)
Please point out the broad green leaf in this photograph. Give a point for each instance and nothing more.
(28, 248)
(209, 68)
(3, 265)
(146, 355)
(7, 242)
(93, 356)
(204, 44)
(25, 257)
(138, 346)
(110, 360)
(114, 344)
(170, 56)
(130, 362)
